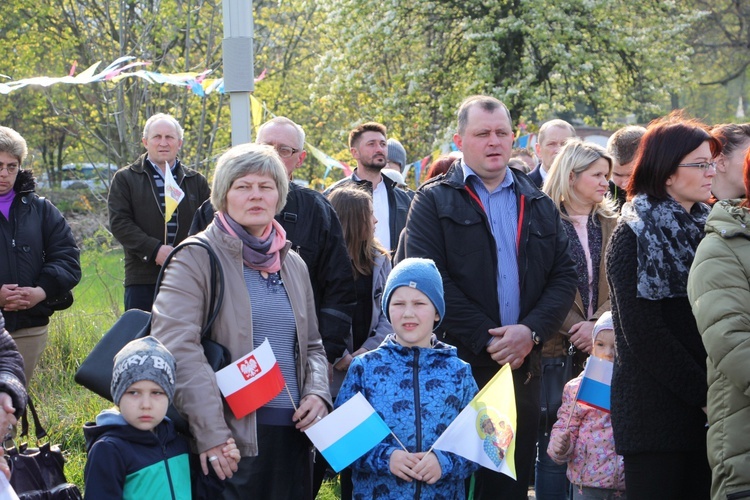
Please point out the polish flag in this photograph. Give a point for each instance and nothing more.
(250, 382)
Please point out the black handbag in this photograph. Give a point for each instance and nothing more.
(37, 473)
(59, 303)
(95, 372)
(556, 372)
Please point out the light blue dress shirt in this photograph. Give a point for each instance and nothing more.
(502, 213)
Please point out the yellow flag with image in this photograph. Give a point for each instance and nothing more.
(173, 195)
(485, 431)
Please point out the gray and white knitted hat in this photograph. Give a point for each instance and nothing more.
(143, 359)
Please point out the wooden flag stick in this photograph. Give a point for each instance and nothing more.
(166, 165)
(399, 442)
(290, 397)
(573, 407)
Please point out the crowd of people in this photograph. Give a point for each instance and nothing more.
(416, 299)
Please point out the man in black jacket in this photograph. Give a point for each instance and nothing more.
(503, 255)
(136, 206)
(390, 203)
(313, 227)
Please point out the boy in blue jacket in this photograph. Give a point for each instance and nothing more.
(135, 452)
(418, 386)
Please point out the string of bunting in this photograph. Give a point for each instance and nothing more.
(199, 84)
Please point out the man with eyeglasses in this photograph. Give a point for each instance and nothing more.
(136, 206)
(390, 203)
(314, 229)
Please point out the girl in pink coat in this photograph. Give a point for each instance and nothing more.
(595, 471)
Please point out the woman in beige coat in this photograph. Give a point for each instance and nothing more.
(267, 296)
(578, 183)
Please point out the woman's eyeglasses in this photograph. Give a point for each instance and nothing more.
(705, 165)
(12, 169)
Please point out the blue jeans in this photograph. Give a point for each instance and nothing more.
(551, 482)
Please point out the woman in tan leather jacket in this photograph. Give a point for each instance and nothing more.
(267, 296)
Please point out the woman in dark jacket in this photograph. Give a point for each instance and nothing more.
(659, 380)
(39, 261)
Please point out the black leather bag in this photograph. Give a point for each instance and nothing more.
(59, 303)
(556, 372)
(95, 372)
(37, 473)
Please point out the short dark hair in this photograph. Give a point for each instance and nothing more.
(355, 134)
(487, 103)
(666, 142)
(623, 144)
(731, 135)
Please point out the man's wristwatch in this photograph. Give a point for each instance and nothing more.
(536, 338)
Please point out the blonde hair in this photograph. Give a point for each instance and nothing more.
(574, 158)
(13, 143)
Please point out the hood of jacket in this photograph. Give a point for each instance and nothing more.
(25, 182)
(729, 220)
(112, 423)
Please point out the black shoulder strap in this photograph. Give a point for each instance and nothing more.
(217, 280)
(38, 429)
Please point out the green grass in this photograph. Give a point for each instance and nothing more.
(64, 406)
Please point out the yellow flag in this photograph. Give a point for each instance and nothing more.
(256, 109)
(485, 431)
(173, 195)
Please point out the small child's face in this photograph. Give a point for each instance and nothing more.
(144, 405)
(604, 345)
(412, 316)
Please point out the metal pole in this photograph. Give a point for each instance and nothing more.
(237, 48)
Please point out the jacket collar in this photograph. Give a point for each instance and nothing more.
(454, 178)
(389, 183)
(139, 166)
(25, 182)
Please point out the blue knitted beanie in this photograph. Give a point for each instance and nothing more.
(421, 274)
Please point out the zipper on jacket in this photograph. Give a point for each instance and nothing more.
(169, 474)
(417, 414)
